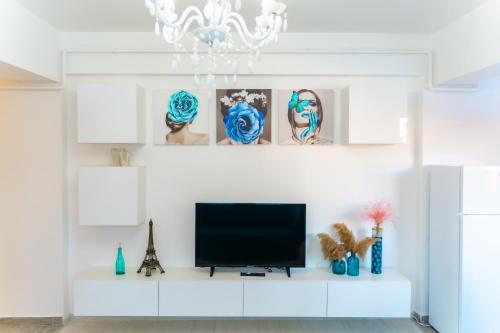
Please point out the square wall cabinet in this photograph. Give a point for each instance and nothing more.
(374, 114)
(111, 113)
(111, 196)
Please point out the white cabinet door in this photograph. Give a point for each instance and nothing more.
(111, 113)
(480, 272)
(115, 298)
(481, 190)
(201, 298)
(283, 298)
(369, 299)
(111, 196)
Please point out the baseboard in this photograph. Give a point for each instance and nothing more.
(45, 321)
(421, 319)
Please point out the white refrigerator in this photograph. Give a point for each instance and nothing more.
(464, 253)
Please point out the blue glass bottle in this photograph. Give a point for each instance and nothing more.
(376, 267)
(353, 265)
(339, 267)
(120, 262)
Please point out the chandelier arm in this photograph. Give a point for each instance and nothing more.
(183, 17)
(244, 28)
(189, 21)
(240, 32)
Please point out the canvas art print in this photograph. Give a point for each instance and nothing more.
(305, 117)
(244, 116)
(180, 117)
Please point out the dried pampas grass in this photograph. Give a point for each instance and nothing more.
(362, 247)
(346, 236)
(330, 248)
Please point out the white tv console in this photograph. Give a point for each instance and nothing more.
(190, 292)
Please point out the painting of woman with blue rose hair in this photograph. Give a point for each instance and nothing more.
(244, 116)
(306, 117)
(180, 117)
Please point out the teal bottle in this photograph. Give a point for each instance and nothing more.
(376, 267)
(353, 265)
(120, 262)
(338, 267)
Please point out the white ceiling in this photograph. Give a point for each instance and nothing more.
(383, 16)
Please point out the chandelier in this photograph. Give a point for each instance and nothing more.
(216, 26)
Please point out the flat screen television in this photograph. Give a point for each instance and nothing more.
(242, 234)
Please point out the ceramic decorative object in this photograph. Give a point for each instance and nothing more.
(353, 265)
(379, 213)
(120, 157)
(339, 267)
(376, 267)
(120, 262)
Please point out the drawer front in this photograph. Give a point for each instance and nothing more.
(285, 298)
(115, 298)
(369, 299)
(201, 298)
(481, 190)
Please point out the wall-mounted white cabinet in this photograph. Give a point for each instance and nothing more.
(102, 293)
(111, 196)
(111, 113)
(374, 114)
(190, 292)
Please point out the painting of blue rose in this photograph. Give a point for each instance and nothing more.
(180, 117)
(244, 116)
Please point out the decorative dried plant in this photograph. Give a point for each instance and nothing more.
(349, 241)
(379, 212)
(346, 236)
(362, 246)
(330, 248)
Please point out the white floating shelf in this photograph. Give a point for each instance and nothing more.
(190, 292)
(374, 114)
(111, 196)
(111, 113)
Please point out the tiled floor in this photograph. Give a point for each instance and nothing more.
(129, 325)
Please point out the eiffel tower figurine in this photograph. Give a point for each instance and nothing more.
(150, 260)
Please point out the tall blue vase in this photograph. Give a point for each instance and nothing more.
(339, 267)
(353, 265)
(376, 266)
(120, 262)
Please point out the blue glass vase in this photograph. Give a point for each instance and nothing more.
(376, 266)
(353, 265)
(339, 267)
(120, 262)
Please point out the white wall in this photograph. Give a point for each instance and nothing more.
(467, 51)
(335, 181)
(457, 129)
(32, 263)
(28, 43)
(462, 128)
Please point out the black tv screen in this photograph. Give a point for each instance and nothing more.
(264, 235)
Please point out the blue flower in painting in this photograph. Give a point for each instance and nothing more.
(244, 123)
(183, 107)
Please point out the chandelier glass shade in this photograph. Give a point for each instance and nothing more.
(217, 25)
